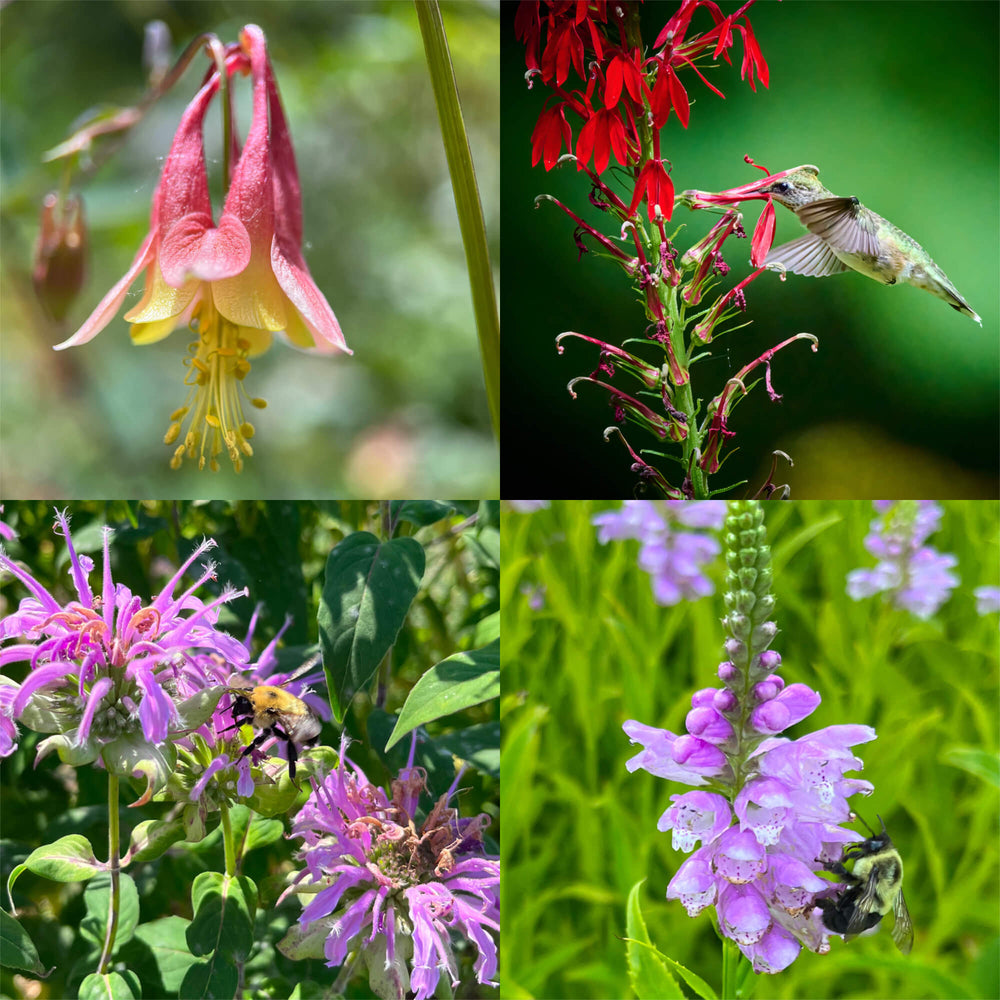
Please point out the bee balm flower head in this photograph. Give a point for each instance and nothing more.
(233, 285)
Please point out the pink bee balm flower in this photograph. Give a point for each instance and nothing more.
(233, 285)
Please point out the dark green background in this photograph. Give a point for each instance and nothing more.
(897, 104)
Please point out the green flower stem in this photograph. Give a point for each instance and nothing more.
(229, 845)
(114, 867)
(470, 211)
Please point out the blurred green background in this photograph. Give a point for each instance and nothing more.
(407, 414)
(898, 105)
(580, 831)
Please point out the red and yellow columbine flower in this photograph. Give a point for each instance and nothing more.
(233, 285)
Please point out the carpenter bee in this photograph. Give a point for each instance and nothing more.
(273, 711)
(874, 887)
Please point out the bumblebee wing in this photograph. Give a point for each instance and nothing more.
(902, 931)
(315, 660)
(866, 904)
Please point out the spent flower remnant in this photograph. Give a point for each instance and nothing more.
(671, 556)
(630, 90)
(391, 890)
(111, 675)
(767, 808)
(233, 285)
(913, 576)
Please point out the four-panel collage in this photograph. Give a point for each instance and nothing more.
(275, 625)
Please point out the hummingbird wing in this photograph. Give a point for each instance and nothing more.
(808, 255)
(843, 222)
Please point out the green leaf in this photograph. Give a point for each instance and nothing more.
(209, 979)
(419, 512)
(470, 210)
(263, 832)
(478, 745)
(97, 903)
(457, 682)
(16, 947)
(367, 593)
(111, 986)
(981, 763)
(166, 940)
(648, 973)
(224, 910)
(69, 859)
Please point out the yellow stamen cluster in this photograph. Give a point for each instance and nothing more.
(217, 363)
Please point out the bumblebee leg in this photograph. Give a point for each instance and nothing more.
(293, 753)
(256, 743)
(834, 866)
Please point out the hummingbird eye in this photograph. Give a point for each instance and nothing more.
(780, 187)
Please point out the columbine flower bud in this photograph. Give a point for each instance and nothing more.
(60, 261)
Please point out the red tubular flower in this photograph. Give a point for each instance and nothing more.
(763, 235)
(753, 58)
(551, 132)
(235, 284)
(602, 134)
(624, 69)
(654, 182)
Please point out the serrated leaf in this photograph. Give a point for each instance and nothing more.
(460, 681)
(367, 593)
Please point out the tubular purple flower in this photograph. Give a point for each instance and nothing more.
(987, 600)
(914, 577)
(788, 797)
(107, 670)
(674, 559)
(386, 886)
(8, 728)
(784, 709)
(695, 816)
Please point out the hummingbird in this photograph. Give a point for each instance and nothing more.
(844, 234)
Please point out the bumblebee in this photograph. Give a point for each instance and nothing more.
(874, 887)
(274, 712)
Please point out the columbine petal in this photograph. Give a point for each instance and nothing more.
(193, 248)
(111, 303)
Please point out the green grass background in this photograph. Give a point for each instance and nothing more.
(580, 831)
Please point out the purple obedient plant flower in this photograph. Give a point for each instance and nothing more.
(671, 556)
(913, 576)
(392, 890)
(987, 600)
(527, 506)
(110, 674)
(767, 809)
